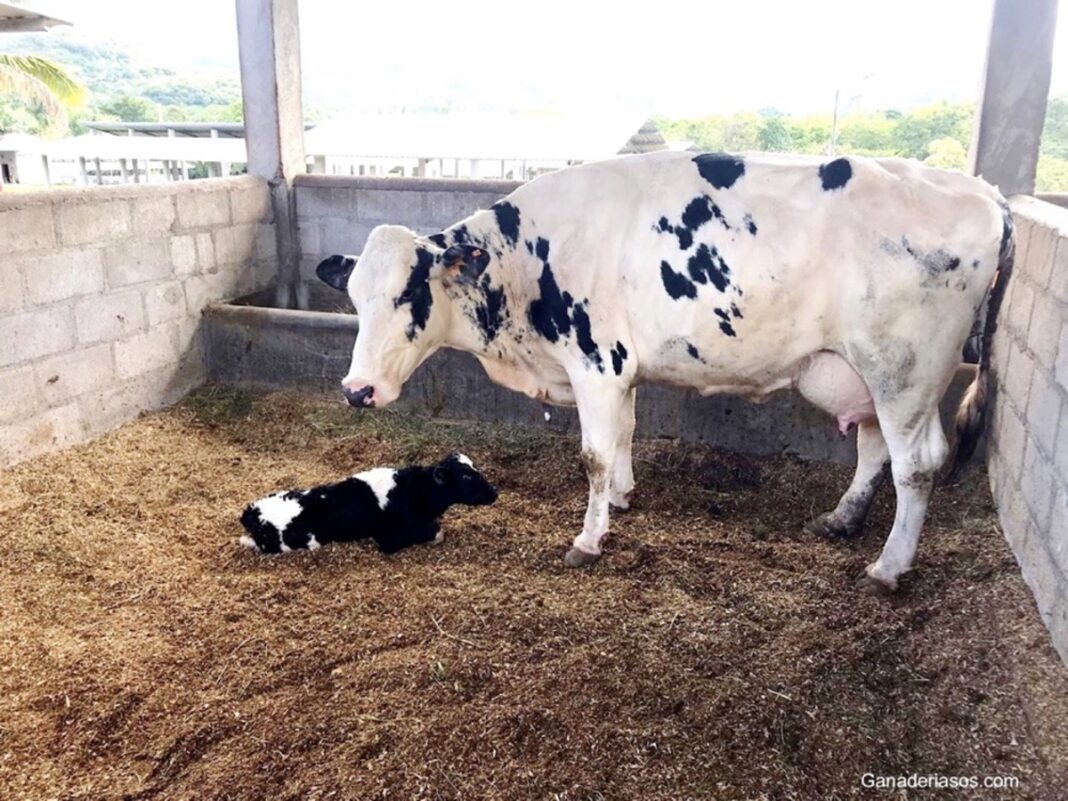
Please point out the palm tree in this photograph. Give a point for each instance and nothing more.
(42, 80)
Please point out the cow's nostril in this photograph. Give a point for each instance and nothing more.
(359, 398)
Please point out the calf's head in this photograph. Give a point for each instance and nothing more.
(397, 288)
(461, 482)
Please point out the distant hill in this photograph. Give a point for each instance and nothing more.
(109, 71)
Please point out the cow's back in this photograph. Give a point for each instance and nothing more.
(736, 267)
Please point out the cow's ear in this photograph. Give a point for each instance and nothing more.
(439, 474)
(465, 263)
(335, 271)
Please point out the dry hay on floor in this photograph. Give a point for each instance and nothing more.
(715, 652)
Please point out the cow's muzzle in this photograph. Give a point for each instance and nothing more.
(363, 398)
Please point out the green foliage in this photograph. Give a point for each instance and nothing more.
(128, 109)
(1052, 174)
(774, 136)
(915, 131)
(120, 88)
(947, 153)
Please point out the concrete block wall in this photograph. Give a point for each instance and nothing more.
(1028, 437)
(101, 291)
(336, 213)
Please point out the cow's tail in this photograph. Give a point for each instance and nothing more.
(972, 412)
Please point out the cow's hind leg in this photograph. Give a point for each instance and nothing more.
(623, 469)
(917, 446)
(600, 408)
(873, 459)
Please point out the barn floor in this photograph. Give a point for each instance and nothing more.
(716, 652)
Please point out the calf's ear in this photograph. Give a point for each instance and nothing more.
(439, 474)
(335, 271)
(465, 263)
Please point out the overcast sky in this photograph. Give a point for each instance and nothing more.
(679, 58)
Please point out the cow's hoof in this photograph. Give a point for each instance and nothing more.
(826, 526)
(619, 503)
(438, 538)
(874, 585)
(576, 557)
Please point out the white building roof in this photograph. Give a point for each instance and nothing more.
(19, 19)
(549, 137)
(103, 146)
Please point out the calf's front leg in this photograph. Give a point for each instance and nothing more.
(600, 405)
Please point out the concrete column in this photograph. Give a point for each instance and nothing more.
(268, 37)
(47, 169)
(1013, 94)
(123, 171)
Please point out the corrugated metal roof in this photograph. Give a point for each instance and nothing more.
(19, 19)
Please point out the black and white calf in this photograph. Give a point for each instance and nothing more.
(394, 507)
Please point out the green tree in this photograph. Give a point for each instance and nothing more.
(130, 109)
(947, 153)
(37, 80)
(914, 132)
(773, 136)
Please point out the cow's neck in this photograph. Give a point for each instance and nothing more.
(484, 314)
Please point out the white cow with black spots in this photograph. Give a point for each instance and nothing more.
(855, 281)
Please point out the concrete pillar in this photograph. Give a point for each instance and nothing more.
(1013, 94)
(99, 172)
(268, 37)
(47, 169)
(123, 171)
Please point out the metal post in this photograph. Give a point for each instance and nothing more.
(1013, 95)
(268, 35)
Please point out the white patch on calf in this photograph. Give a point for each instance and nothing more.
(463, 459)
(313, 544)
(278, 510)
(381, 480)
(248, 542)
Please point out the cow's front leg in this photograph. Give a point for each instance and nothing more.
(623, 469)
(600, 406)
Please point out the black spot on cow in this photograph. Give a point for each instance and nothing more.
(550, 313)
(719, 169)
(584, 335)
(685, 236)
(706, 265)
(721, 314)
(417, 293)
(439, 239)
(530, 247)
(835, 174)
(507, 221)
(736, 311)
(554, 314)
(460, 235)
(697, 212)
(542, 249)
(692, 350)
(727, 328)
(750, 226)
(665, 226)
(677, 285)
(619, 355)
(490, 313)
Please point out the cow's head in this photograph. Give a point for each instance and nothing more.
(397, 289)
